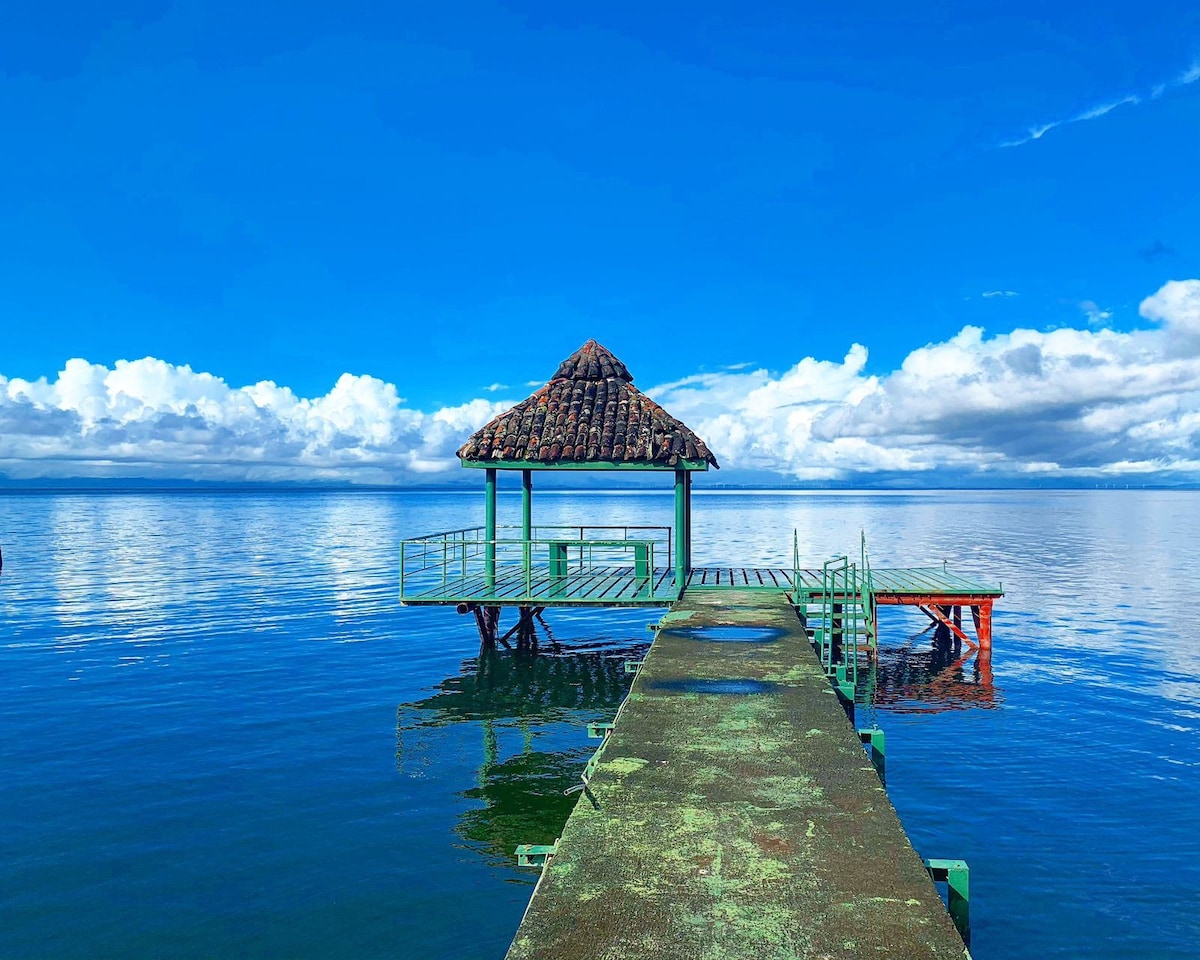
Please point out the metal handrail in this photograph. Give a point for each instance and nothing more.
(868, 592)
(840, 587)
(561, 555)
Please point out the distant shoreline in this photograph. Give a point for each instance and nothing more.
(186, 487)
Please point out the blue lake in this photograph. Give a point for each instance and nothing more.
(220, 735)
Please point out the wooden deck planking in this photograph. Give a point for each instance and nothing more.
(930, 581)
(619, 585)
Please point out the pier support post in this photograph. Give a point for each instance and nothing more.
(487, 619)
(526, 519)
(489, 528)
(982, 615)
(680, 533)
(687, 519)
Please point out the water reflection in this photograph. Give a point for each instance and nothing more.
(931, 676)
(530, 710)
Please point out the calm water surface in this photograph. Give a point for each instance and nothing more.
(221, 736)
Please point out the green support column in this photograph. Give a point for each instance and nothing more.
(680, 532)
(489, 528)
(526, 517)
(687, 519)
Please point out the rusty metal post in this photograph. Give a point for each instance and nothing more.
(982, 615)
(985, 625)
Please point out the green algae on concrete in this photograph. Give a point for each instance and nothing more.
(733, 824)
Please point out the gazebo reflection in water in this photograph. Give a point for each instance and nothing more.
(522, 793)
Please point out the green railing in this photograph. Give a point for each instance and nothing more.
(867, 593)
(464, 565)
(847, 602)
(840, 614)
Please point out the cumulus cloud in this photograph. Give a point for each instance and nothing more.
(1087, 403)
(152, 418)
(1068, 402)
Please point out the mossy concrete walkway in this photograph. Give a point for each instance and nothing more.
(734, 813)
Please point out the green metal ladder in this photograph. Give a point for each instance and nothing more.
(840, 616)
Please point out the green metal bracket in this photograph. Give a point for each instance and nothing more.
(845, 690)
(589, 768)
(598, 731)
(957, 877)
(535, 854)
(632, 666)
(873, 737)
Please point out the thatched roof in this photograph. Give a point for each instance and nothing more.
(590, 412)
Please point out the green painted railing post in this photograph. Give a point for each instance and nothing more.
(680, 535)
(489, 524)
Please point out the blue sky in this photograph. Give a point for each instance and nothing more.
(438, 199)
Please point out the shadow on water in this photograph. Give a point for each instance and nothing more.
(534, 707)
(933, 677)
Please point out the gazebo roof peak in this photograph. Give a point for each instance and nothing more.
(592, 361)
(589, 416)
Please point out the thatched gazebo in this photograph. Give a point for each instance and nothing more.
(589, 416)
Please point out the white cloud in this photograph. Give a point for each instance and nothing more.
(1096, 317)
(1176, 305)
(149, 417)
(1025, 403)
(1188, 76)
(1067, 402)
(1005, 294)
(1094, 113)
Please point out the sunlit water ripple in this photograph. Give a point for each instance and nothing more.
(222, 736)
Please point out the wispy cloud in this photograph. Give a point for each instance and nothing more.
(1096, 112)
(496, 387)
(1096, 317)
(1188, 76)
(1005, 294)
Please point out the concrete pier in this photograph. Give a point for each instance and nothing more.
(733, 813)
